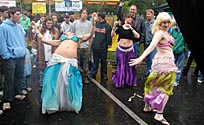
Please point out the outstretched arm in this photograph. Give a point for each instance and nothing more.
(120, 11)
(157, 37)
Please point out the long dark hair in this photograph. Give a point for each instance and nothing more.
(127, 16)
(53, 30)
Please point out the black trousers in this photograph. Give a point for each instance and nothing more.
(99, 55)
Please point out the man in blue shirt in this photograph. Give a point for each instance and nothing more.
(12, 50)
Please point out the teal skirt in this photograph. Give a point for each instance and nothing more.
(62, 89)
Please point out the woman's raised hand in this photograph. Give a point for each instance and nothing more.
(115, 23)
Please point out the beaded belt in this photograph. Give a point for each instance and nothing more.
(125, 50)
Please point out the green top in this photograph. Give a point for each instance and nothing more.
(180, 44)
(25, 22)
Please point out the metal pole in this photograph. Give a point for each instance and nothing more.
(49, 7)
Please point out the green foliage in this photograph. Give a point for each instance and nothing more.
(142, 5)
(101, 8)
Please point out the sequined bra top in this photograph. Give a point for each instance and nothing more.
(166, 44)
(73, 38)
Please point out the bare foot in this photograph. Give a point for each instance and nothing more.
(149, 109)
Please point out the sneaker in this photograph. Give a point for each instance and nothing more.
(24, 92)
(1, 93)
(29, 89)
(199, 81)
(86, 81)
(6, 106)
(34, 66)
(20, 97)
(176, 84)
(1, 112)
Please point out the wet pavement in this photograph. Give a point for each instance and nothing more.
(108, 105)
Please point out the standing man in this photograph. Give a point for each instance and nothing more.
(180, 48)
(66, 24)
(25, 23)
(3, 13)
(12, 50)
(3, 16)
(100, 45)
(82, 27)
(138, 24)
(148, 38)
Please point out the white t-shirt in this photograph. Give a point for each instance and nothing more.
(47, 48)
(81, 28)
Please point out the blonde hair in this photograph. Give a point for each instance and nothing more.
(163, 16)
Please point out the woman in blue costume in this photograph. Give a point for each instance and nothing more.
(62, 83)
(124, 74)
(159, 84)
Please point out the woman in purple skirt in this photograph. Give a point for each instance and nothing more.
(125, 74)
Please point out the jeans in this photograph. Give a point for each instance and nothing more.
(24, 85)
(27, 33)
(84, 56)
(149, 61)
(136, 49)
(14, 75)
(179, 60)
(200, 76)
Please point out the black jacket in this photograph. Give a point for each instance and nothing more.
(102, 36)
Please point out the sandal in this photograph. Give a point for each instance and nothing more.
(6, 106)
(163, 120)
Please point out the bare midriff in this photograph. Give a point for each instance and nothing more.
(125, 42)
(67, 49)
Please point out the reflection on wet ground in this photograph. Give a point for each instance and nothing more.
(185, 107)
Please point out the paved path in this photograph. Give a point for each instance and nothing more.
(107, 105)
